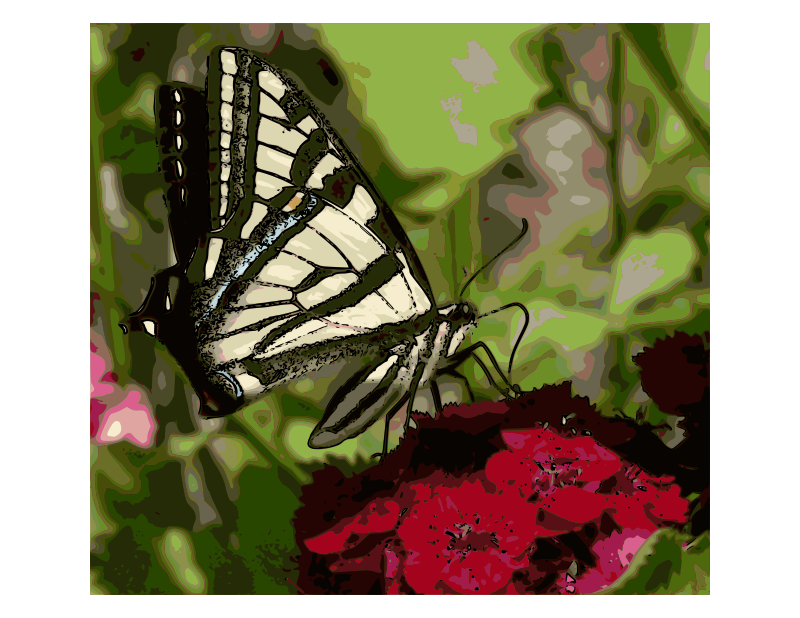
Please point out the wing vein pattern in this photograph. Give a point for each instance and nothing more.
(303, 263)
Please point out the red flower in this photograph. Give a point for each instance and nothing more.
(467, 539)
(543, 509)
(540, 461)
(643, 501)
(569, 508)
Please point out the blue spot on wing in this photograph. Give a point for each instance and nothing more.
(234, 381)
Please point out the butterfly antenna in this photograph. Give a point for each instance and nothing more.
(510, 245)
(521, 335)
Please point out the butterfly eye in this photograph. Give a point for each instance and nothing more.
(465, 308)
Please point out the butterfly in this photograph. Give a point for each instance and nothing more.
(288, 260)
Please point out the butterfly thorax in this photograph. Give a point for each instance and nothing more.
(439, 341)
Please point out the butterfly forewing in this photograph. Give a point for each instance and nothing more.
(296, 261)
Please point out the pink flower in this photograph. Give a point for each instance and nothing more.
(98, 387)
(129, 420)
(114, 413)
(614, 554)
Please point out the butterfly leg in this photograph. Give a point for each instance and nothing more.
(458, 359)
(437, 398)
(463, 355)
(389, 415)
(409, 397)
(415, 380)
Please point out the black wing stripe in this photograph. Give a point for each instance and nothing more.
(327, 289)
(369, 314)
(343, 313)
(251, 230)
(350, 232)
(303, 116)
(379, 273)
(272, 158)
(273, 232)
(239, 260)
(375, 277)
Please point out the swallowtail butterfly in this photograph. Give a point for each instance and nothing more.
(288, 259)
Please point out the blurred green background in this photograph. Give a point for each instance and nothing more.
(598, 135)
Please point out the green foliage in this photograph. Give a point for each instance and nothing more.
(668, 563)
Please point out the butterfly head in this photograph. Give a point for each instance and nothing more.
(465, 313)
(460, 315)
(457, 319)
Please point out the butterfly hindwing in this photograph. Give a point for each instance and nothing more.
(361, 400)
(293, 259)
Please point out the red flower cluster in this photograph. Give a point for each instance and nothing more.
(550, 511)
